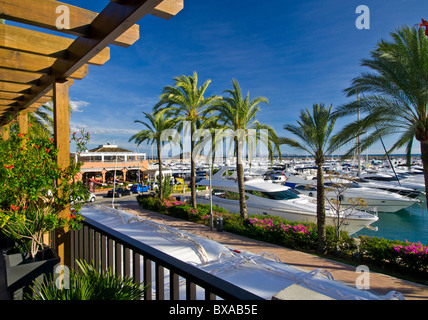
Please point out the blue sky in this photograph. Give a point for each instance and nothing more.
(294, 53)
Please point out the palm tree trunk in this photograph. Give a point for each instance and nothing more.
(424, 158)
(160, 171)
(322, 237)
(192, 172)
(241, 185)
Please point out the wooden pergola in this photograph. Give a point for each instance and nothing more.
(36, 67)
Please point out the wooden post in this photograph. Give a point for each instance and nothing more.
(5, 132)
(62, 143)
(23, 122)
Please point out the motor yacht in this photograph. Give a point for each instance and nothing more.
(278, 200)
(350, 191)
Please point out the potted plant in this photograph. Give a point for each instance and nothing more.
(34, 192)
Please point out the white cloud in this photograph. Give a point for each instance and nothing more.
(76, 106)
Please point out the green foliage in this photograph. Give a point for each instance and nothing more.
(166, 187)
(35, 190)
(89, 284)
(394, 253)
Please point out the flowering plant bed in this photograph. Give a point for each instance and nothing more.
(35, 190)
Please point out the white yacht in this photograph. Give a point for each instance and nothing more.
(400, 180)
(385, 185)
(383, 200)
(278, 200)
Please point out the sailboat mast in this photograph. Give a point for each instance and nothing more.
(358, 139)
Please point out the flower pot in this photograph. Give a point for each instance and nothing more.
(22, 270)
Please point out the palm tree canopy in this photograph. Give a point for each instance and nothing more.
(185, 99)
(314, 130)
(156, 124)
(394, 93)
(236, 115)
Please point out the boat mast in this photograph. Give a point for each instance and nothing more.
(358, 139)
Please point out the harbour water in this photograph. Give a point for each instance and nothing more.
(409, 224)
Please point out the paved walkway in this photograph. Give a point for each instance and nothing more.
(379, 283)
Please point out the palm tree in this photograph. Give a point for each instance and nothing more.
(314, 130)
(238, 115)
(186, 102)
(397, 94)
(156, 125)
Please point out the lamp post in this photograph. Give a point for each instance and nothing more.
(211, 203)
(114, 182)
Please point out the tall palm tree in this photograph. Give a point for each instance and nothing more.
(186, 101)
(315, 131)
(394, 94)
(237, 114)
(157, 124)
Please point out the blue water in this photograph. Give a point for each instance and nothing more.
(409, 224)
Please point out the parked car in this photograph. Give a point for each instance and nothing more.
(137, 188)
(153, 185)
(119, 192)
(92, 197)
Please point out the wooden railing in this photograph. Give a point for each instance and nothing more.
(125, 256)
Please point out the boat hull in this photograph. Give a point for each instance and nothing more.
(351, 224)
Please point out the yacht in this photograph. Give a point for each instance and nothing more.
(383, 200)
(404, 191)
(400, 180)
(278, 200)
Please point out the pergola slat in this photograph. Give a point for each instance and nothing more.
(14, 87)
(31, 62)
(31, 41)
(18, 76)
(42, 13)
(114, 20)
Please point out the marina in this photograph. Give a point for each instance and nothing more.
(301, 213)
(409, 222)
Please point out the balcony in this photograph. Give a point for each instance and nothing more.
(126, 256)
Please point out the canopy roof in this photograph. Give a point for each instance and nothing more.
(31, 62)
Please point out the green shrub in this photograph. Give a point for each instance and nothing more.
(88, 284)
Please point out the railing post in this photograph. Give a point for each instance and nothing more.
(118, 259)
(174, 286)
(160, 285)
(147, 279)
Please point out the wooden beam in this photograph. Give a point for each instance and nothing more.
(7, 103)
(25, 61)
(165, 10)
(10, 95)
(168, 9)
(17, 76)
(24, 77)
(14, 87)
(5, 132)
(23, 122)
(62, 144)
(114, 20)
(31, 41)
(42, 13)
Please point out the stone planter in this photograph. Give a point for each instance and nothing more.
(22, 270)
